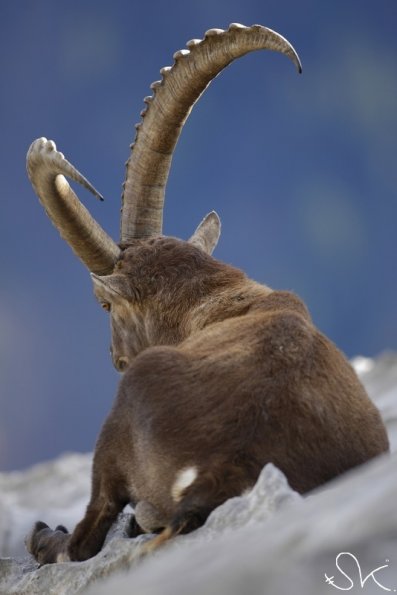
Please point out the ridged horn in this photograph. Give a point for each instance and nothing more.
(167, 110)
(46, 169)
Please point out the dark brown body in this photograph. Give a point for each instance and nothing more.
(231, 376)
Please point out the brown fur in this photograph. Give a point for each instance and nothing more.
(223, 375)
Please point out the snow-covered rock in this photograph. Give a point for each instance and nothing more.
(291, 553)
(269, 540)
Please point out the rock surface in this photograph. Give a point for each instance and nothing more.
(268, 541)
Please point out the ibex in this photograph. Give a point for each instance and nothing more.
(221, 374)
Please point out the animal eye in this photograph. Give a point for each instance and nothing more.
(106, 306)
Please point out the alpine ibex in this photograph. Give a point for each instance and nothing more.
(221, 375)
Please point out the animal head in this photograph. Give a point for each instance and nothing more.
(161, 290)
(147, 172)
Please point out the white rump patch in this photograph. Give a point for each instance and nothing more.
(184, 478)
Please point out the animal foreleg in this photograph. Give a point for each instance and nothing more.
(49, 546)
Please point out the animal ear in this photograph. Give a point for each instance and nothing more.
(113, 286)
(207, 234)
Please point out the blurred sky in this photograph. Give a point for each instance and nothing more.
(302, 170)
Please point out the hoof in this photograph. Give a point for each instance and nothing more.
(47, 546)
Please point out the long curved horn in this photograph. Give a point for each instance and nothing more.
(46, 169)
(167, 110)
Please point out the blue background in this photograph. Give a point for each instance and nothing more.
(302, 170)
